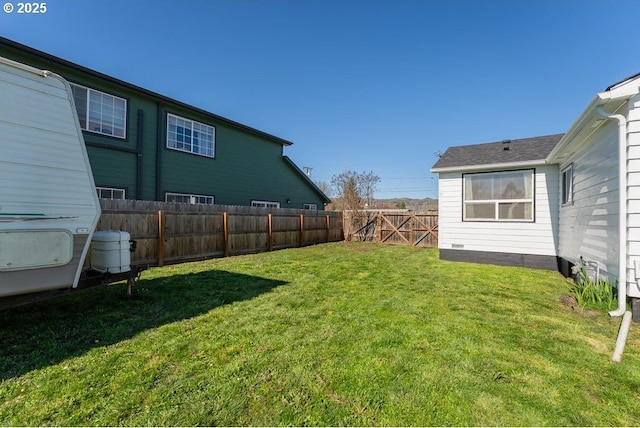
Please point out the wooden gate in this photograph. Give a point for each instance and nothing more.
(401, 228)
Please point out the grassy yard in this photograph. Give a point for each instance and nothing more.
(337, 334)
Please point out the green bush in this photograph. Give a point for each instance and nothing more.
(593, 294)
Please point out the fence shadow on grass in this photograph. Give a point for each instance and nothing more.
(46, 333)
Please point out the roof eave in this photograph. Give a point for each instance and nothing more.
(490, 166)
(588, 119)
(577, 126)
(135, 88)
(292, 164)
(616, 94)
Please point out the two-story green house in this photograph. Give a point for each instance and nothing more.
(143, 145)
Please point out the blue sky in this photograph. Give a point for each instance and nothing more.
(367, 85)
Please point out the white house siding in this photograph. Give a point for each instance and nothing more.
(633, 207)
(589, 226)
(536, 238)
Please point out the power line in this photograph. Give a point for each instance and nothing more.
(406, 191)
(404, 178)
(386, 178)
(385, 189)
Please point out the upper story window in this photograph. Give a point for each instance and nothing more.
(310, 207)
(110, 193)
(190, 136)
(186, 198)
(100, 112)
(567, 185)
(498, 196)
(265, 204)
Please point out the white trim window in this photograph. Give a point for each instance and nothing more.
(498, 196)
(567, 185)
(265, 204)
(100, 112)
(110, 193)
(313, 207)
(190, 136)
(185, 198)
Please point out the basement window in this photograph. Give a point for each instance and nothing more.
(100, 112)
(110, 193)
(498, 196)
(190, 136)
(185, 198)
(265, 204)
(567, 185)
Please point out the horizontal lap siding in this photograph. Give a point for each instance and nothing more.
(149, 143)
(633, 218)
(42, 164)
(537, 238)
(113, 169)
(589, 226)
(246, 167)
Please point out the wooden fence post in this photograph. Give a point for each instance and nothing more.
(301, 230)
(411, 232)
(160, 239)
(270, 231)
(380, 227)
(328, 228)
(225, 228)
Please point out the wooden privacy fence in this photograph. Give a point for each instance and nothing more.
(167, 233)
(402, 228)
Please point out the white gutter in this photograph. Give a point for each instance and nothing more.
(575, 129)
(622, 222)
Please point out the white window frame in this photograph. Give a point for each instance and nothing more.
(194, 128)
(498, 202)
(110, 192)
(192, 198)
(105, 126)
(566, 183)
(313, 207)
(265, 204)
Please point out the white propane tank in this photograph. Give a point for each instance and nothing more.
(110, 251)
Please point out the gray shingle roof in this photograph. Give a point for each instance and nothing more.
(522, 150)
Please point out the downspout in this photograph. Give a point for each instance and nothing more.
(159, 149)
(139, 146)
(622, 222)
(622, 336)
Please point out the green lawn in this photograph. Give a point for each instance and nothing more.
(336, 334)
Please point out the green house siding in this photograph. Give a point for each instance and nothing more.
(245, 168)
(247, 165)
(140, 142)
(113, 169)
